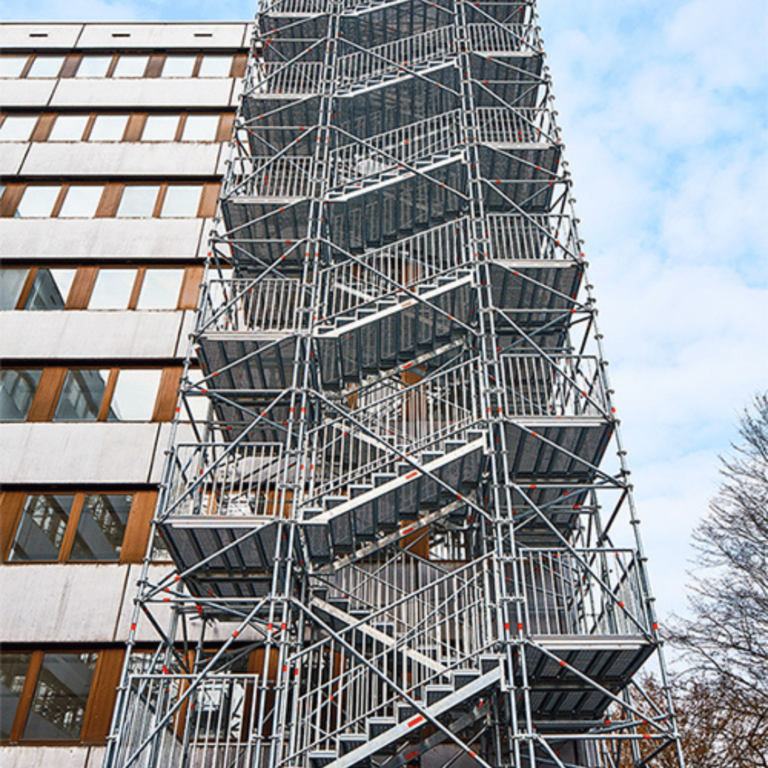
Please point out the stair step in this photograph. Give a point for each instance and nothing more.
(383, 477)
(358, 490)
(334, 501)
(350, 741)
(464, 677)
(321, 759)
(405, 711)
(436, 692)
(342, 603)
(379, 725)
(488, 663)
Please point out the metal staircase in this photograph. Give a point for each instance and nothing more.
(404, 533)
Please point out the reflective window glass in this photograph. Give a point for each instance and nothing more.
(82, 394)
(37, 202)
(94, 66)
(135, 395)
(160, 128)
(50, 289)
(13, 673)
(101, 527)
(182, 200)
(41, 528)
(113, 289)
(81, 202)
(46, 66)
(215, 66)
(200, 128)
(61, 695)
(179, 66)
(17, 388)
(17, 127)
(68, 128)
(130, 66)
(108, 128)
(138, 201)
(11, 283)
(12, 66)
(160, 289)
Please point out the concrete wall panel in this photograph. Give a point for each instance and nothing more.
(30, 93)
(98, 334)
(72, 603)
(149, 159)
(20, 36)
(44, 757)
(12, 156)
(103, 238)
(64, 452)
(140, 92)
(161, 36)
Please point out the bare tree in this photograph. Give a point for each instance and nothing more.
(724, 697)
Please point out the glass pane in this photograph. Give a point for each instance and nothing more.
(68, 128)
(135, 395)
(108, 128)
(13, 673)
(46, 66)
(215, 66)
(113, 289)
(160, 128)
(50, 289)
(94, 66)
(17, 128)
(179, 66)
(160, 289)
(37, 202)
(12, 66)
(58, 706)
(81, 202)
(138, 201)
(101, 527)
(82, 395)
(17, 388)
(130, 66)
(181, 201)
(42, 527)
(11, 283)
(200, 128)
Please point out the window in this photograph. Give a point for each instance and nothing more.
(81, 202)
(82, 395)
(113, 289)
(215, 66)
(138, 201)
(108, 128)
(11, 283)
(135, 395)
(160, 289)
(61, 694)
(50, 289)
(179, 66)
(93, 526)
(181, 201)
(130, 66)
(58, 695)
(17, 389)
(200, 128)
(46, 66)
(12, 66)
(160, 128)
(94, 66)
(68, 128)
(17, 127)
(37, 202)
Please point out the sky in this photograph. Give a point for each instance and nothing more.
(664, 109)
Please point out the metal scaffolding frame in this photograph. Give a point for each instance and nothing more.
(400, 525)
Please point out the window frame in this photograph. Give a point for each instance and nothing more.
(135, 538)
(102, 695)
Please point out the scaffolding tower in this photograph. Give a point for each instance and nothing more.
(403, 532)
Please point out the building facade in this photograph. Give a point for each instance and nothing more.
(392, 517)
(112, 144)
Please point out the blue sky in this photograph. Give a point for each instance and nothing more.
(664, 106)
